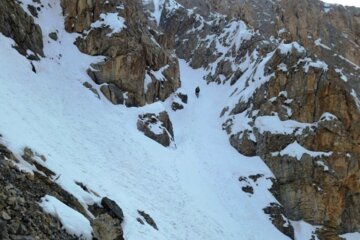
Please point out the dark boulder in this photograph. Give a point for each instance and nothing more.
(157, 127)
(149, 220)
(113, 209)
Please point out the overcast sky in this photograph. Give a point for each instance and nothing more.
(345, 2)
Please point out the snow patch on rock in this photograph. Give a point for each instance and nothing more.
(73, 222)
(112, 20)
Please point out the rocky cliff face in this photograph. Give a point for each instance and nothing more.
(136, 69)
(18, 25)
(296, 67)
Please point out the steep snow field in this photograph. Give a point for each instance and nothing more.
(191, 190)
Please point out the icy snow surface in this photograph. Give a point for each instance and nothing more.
(351, 236)
(73, 222)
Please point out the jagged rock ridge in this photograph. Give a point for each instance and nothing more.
(313, 85)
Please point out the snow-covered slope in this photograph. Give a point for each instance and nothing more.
(191, 190)
(260, 89)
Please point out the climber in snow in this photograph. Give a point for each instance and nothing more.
(197, 91)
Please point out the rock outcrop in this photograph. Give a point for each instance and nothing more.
(292, 63)
(158, 127)
(321, 111)
(112, 207)
(315, 188)
(107, 223)
(106, 227)
(136, 69)
(329, 32)
(179, 100)
(21, 216)
(276, 213)
(15, 23)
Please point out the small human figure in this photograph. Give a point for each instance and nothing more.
(197, 91)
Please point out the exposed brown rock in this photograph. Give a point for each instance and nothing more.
(176, 106)
(29, 156)
(91, 88)
(21, 216)
(302, 184)
(157, 127)
(243, 144)
(113, 93)
(18, 25)
(276, 213)
(131, 54)
(112, 207)
(320, 190)
(107, 228)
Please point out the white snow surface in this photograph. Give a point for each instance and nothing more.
(318, 43)
(287, 48)
(295, 150)
(342, 75)
(351, 236)
(303, 230)
(355, 3)
(112, 20)
(191, 191)
(313, 64)
(326, 116)
(274, 125)
(73, 222)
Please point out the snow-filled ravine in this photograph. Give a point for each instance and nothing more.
(191, 190)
